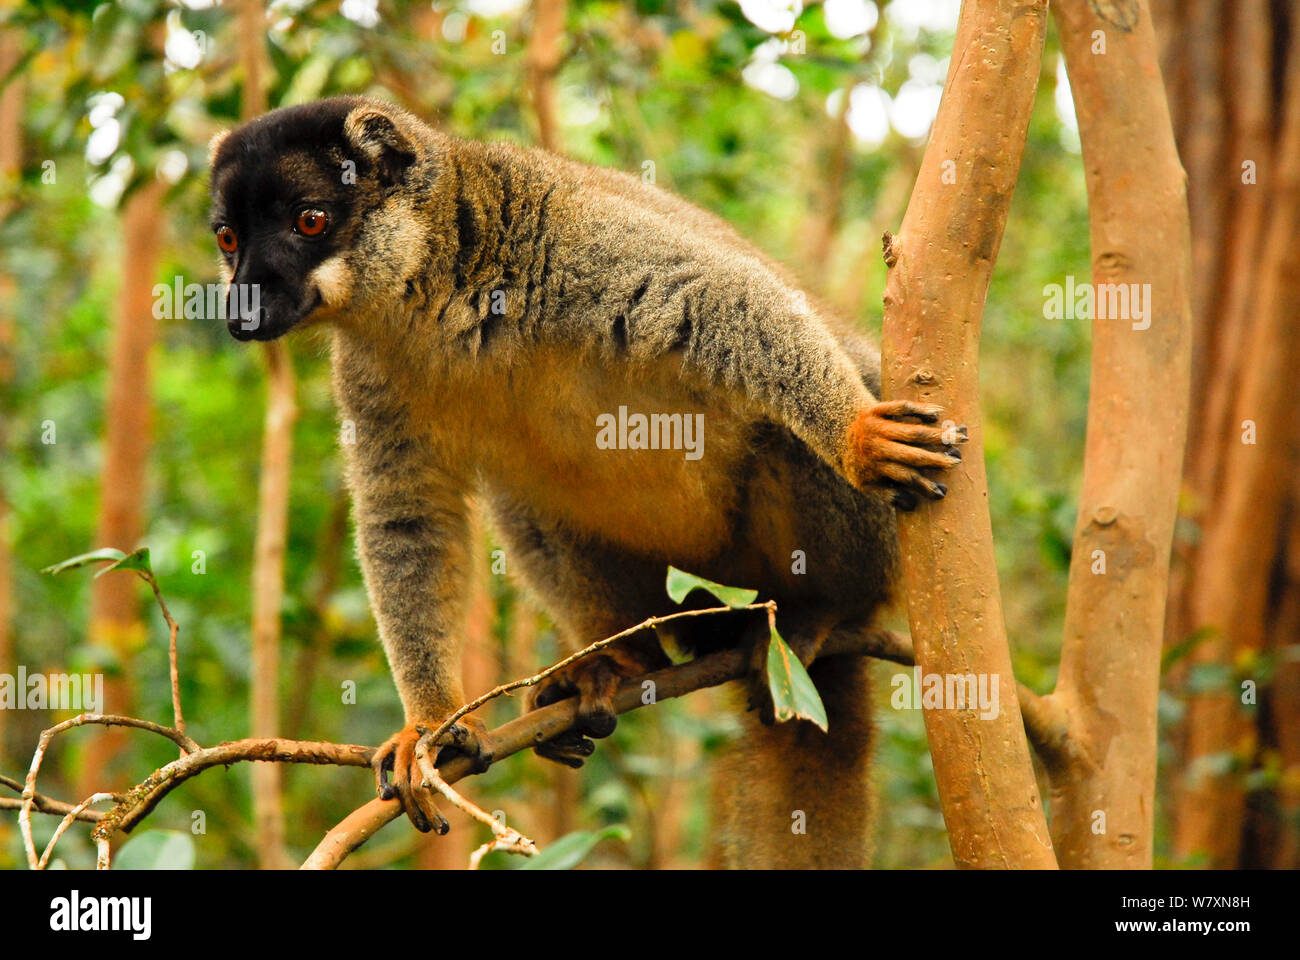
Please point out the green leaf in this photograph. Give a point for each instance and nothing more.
(157, 850)
(133, 561)
(793, 692)
(117, 560)
(680, 583)
(572, 848)
(95, 556)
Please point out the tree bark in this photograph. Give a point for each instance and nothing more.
(1104, 796)
(942, 260)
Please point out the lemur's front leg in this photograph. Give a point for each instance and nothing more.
(413, 541)
(763, 341)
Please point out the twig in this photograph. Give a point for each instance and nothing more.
(108, 720)
(67, 822)
(144, 796)
(503, 837)
(173, 660)
(43, 803)
(646, 624)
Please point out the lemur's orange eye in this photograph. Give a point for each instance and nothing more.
(311, 222)
(226, 239)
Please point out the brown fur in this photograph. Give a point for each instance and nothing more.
(488, 304)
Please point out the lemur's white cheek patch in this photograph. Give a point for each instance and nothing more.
(333, 279)
(226, 273)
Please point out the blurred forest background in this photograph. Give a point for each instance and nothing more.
(801, 125)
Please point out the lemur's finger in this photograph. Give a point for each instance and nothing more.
(925, 412)
(467, 737)
(417, 799)
(382, 764)
(917, 457)
(913, 433)
(909, 478)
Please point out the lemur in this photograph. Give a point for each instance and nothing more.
(489, 305)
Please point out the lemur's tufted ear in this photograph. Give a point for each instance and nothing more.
(214, 145)
(376, 136)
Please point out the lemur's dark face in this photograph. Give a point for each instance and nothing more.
(291, 192)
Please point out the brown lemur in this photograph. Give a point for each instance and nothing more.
(491, 307)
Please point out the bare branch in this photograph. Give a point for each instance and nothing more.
(107, 720)
(544, 723)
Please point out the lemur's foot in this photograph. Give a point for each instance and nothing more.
(594, 681)
(759, 640)
(466, 737)
(885, 451)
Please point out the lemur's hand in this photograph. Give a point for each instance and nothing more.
(884, 451)
(466, 737)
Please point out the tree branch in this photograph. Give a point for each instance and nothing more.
(542, 724)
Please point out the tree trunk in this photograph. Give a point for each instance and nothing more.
(1104, 790)
(1234, 597)
(941, 262)
(115, 620)
(272, 509)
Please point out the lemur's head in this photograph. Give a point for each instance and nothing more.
(312, 212)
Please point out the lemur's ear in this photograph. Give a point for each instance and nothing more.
(376, 136)
(214, 145)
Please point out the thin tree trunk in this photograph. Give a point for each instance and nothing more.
(272, 510)
(825, 222)
(1277, 842)
(934, 297)
(329, 554)
(1104, 794)
(1251, 107)
(543, 62)
(115, 621)
(268, 595)
(1232, 588)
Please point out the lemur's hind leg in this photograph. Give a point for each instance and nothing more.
(592, 590)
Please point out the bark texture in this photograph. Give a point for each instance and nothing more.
(1103, 796)
(941, 263)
